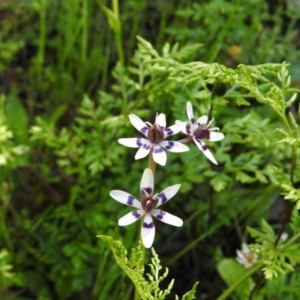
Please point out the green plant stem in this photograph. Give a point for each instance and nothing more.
(229, 291)
(290, 206)
(84, 35)
(152, 163)
(118, 33)
(42, 38)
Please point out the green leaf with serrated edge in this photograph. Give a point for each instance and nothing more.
(134, 267)
(191, 294)
(231, 271)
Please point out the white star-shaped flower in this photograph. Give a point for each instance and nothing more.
(246, 257)
(200, 130)
(155, 139)
(147, 207)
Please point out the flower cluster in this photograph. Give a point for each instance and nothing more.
(154, 144)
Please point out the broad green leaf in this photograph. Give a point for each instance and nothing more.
(230, 271)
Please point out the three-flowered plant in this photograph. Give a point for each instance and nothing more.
(154, 146)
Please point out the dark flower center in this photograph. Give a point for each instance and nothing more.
(148, 203)
(155, 134)
(202, 132)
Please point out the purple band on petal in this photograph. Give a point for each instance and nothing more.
(130, 200)
(138, 142)
(148, 225)
(204, 147)
(158, 150)
(144, 129)
(188, 129)
(136, 214)
(163, 197)
(169, 131)
(148, 190)
(145, 146)
(160, 215)
(170, 145)
(193, 120)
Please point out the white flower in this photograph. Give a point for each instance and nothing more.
(147, 207)
(200, 130)
(246, 257)
(155, 135)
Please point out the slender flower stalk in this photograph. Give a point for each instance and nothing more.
(198, 131)
(155, 134)
(147, 207)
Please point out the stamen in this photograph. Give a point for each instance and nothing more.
(212, 119)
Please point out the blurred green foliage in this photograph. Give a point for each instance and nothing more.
(72, 71)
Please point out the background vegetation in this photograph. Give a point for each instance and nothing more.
(70, 73)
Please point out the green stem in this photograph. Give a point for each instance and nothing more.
(84, 36)
(229, 291)
(118, 33)
(42, 38)
(152, 163)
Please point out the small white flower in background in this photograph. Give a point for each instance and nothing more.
(155, 139)
(147, 207)
(198, 131)
(246, 257)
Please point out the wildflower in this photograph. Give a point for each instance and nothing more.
(155, 139)
(198, 131)
(246, 257)
(147, 207)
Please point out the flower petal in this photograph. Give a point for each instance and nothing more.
(148, 231)
(171, 131)
(161, 120)
(167, 194)
(147, 182)
(190, 113)
(201, 145)
(167, 218)
(138, 124)
(174, 146)
(215, 136)
(159, 155)
(131, 217)
(125, 198)
(132, 142)
(184, 127)
(144, 150)
(202, 120)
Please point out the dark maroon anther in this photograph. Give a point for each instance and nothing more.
(148, 203)
(202, 132)
(155, 134)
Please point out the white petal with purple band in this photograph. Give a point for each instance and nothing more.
(144, 150)
(201, 145)
(132, 142)
(138, 124)
(183, 127)
(147, 182)
(167, 194)
(202, 120)
(167, 218)
(175, 147)
(171, 131)
(125, 198)
(159, 155)
(131, 217)
(148, 231)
